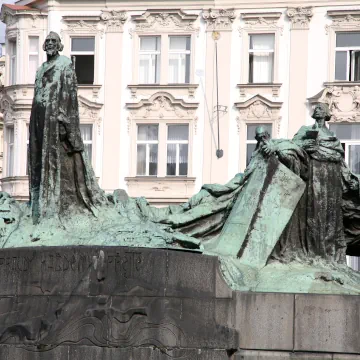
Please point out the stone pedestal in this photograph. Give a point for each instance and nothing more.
(128, 303)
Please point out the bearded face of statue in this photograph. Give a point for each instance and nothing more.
(321, 112)
(53, 45)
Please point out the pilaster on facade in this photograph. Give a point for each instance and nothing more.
(300, 17)
(219, 19)
(114, 20)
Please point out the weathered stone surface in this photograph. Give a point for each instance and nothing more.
(327, 323)
(265, 321)
(277, 355)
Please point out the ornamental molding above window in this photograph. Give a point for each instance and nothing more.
(114, 20)
(162, 105)
(164, 21)
(343, 20)
(260, 21)
(258, 109)
(86, 25)
(219, 19)
(343, 101)
(90, 112)
(300, 17)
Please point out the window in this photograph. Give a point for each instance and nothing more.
(251, 142)
(353, 262)
(349, 135)
(261, 58)
(147, 150)
(179, 59)
(177, 150)
(83, 53)
(12, 45)
(347, 56)
(10, 151)
(149, 65)
(33, 57)
(87, 136)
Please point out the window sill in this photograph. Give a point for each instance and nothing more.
(165, 178)
(255, 88)
(342, 83)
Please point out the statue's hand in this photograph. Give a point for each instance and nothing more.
(309, 145)
(268, 148)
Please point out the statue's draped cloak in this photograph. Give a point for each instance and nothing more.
(60, 177)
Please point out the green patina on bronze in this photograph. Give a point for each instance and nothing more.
(284, 225)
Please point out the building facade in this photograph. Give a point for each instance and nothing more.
(151, 78)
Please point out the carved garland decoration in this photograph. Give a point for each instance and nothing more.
(175, 20)
(346, 22)
(260, 23)
(82, 27)
(257, 112)
(162, 107)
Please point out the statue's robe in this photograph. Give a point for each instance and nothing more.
(205, 214)
(60, 177)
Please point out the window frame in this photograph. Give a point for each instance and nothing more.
(13, 61)
(348, 57)
(147, 155)
(10, 147)
(259, 30)
(89, 142)
(33, 54)
(164, 56)
(177, 143)
(180, 52)
(151, 52)
(75, 53)
(251, 51)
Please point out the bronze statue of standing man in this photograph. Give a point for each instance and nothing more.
(61, 179)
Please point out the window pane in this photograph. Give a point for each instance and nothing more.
(183, 159)
(262, 42)
(357, 66)
(347, 39)
(171, 160)
(346, 131)
(33, 65)
(261, 65)
(10, 155)
(86, 132)
(251, 130)
(34, 44)
(354, 158)
(83, 44)
(181, 43)
(178, 132)
(250, 148)
(150, 43)
(141, 159)
(147, 132)
(341, 65)
(84, 68)
(153, 158)
(149, 69)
